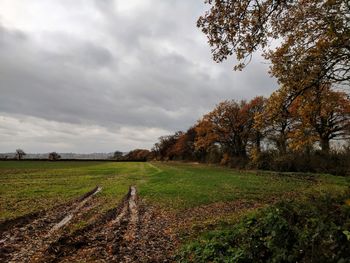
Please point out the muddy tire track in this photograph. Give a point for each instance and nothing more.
(128, 233)
(131, 232)
(22, 239)
(100, 241)
(122, 244)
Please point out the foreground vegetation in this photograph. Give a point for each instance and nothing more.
(313, 229)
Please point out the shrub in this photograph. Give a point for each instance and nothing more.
(334, 163)
(312, 230)
(213, 155)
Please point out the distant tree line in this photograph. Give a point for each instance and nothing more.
(279, 133)
(20, 154)
(134, 155)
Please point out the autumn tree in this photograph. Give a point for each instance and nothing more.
(323, 114)
(227, 126)
(19, 154)
(163, 149)
(276, 120)
(206, 135)
(138, 155)
(205, 141)
(252, 110)
(184, 148)
(313, 38)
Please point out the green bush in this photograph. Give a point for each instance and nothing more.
(312, 230)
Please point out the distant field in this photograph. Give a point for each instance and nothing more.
(31, 186)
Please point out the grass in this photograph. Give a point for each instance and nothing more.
(30, 186)
(181, 185)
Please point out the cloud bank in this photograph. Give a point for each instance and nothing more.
(89, 76)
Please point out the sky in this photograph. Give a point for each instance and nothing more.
(103, 75)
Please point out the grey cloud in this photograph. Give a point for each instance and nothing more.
(85, 55)
(150, 69)
(10, 35)
(31, 132)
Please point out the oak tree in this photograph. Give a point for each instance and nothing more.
(323, 115)
(183, 148)
(227, 126)
(312, 38)
(163, 149)
(254, 108)
(276, 119)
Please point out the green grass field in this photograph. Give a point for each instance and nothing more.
(31, 186)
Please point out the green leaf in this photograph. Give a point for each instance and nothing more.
(347, 234)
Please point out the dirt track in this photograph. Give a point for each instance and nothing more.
(131, 232)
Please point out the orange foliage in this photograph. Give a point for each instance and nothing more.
(276, 120)
(228, 125)
(321, 115)
(314, 38)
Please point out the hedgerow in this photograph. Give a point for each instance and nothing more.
(315, 229)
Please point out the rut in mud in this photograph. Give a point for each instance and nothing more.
(130, 232)
(22, 238)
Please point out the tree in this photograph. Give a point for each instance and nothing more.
(117, 155)
(254, 108)
(138, 155)
(163, 149)
(323, 115)
(184, 148)
(54, 156)
(227, 126)
(205, 134)
(276, 120)
(314, 37)
(19, 154)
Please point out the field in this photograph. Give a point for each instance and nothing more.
(168, 199)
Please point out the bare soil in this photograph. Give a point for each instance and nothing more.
(22, 238)
(131, 232)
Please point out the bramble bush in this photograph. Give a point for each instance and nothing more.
(316, 229)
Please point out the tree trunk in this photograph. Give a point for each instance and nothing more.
(282, 145)
(325, 145)
(258, 143)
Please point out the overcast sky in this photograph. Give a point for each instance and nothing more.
(103, 75)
